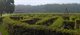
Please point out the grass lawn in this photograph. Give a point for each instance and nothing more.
(3, 30)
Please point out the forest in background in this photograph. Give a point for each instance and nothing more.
(49, 8)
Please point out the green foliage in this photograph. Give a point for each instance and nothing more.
(7, 6)
(56, 26)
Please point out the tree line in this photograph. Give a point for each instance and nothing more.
(57, 8)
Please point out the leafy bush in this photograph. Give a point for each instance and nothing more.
(39, 24)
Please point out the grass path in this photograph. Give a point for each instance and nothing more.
(3, 29)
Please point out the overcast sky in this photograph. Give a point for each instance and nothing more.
(41, 2)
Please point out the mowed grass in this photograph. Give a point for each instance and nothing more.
(3, 29)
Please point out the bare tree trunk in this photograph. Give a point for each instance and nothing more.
(1, 20)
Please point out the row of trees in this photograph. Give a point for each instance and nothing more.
(6, 6)
(49, 8)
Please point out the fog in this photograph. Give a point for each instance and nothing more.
(42, 2)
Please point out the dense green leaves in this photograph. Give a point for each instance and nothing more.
(7, 6)
(45, 24)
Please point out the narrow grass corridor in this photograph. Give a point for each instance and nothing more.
(3, 30)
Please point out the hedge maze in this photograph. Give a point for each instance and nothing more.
(42, 24)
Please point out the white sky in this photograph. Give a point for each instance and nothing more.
(41, 2)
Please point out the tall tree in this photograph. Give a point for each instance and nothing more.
(9, 6)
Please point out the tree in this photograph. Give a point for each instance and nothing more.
(7, 6)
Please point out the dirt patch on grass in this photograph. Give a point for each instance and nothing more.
(0, 33)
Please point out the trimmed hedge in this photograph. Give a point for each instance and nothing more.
(21, 25)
